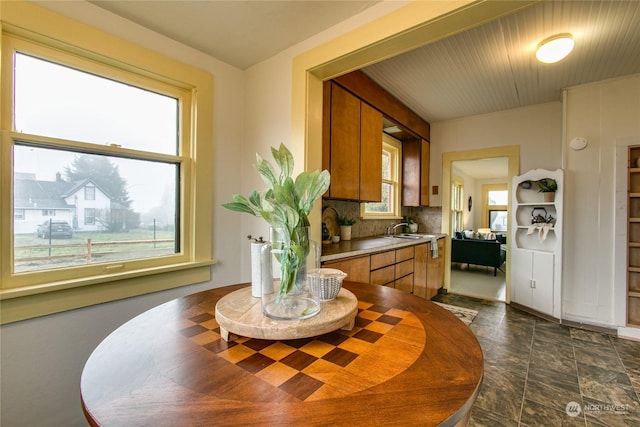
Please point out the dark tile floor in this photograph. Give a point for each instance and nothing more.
(535, 369)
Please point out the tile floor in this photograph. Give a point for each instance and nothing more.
(535, 368)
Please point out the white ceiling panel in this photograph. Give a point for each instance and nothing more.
(493, 67)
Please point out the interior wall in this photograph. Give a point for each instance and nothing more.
(607, 114)
(536, 129)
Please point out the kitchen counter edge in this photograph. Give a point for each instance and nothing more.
(367, 246)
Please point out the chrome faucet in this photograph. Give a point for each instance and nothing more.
(391, 230)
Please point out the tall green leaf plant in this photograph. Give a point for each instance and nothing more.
(285, 204)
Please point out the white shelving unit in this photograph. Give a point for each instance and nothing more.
(536, 256)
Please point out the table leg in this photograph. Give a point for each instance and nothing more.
(224, 334)
(349, 326)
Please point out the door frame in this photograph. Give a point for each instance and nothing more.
(512, 153)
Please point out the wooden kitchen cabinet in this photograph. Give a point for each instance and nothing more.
(352, 146)
(411, 269)
(383, 259)
(415, 172)
(393, 268)
(428, 272)
(404, 275)
(384, 276)
(435, 270)
(357, 269)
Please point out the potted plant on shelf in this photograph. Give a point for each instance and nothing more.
(548, 188)
(345, 224)
(285, 205)
(412, 226)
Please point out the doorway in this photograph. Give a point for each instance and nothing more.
(458, 167)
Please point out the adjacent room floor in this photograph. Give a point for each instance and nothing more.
(536, 371)
(478, 281)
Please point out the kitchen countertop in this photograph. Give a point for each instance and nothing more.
(368, 245)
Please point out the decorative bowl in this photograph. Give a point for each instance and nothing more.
(325, 283)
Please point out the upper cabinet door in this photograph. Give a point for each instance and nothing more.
(352, 146)
(370, 154)
(344, 154)
(415, 172)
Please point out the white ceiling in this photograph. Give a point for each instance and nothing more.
(240, 33)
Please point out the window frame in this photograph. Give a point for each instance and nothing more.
(33, 30)
(394, 147)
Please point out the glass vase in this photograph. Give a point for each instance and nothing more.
(285, 291)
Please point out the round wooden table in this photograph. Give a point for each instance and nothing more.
(406, 362)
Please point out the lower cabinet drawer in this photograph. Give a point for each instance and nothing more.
(383, 276)
(382, 259)
(357, 269)
(403, 268)
(404, 254)
(405, 283)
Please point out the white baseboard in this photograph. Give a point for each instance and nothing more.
(629, 333)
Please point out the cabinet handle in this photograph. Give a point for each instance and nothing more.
(533, 283)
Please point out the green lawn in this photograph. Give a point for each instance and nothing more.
(34, 253)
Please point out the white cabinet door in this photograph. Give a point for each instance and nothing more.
(542, 282)
(532, 279)
(521, 274)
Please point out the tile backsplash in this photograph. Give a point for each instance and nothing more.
(429, 219)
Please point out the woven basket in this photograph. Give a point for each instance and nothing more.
(325, 283)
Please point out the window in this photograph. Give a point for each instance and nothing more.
(389, 207)
(495, 198)
(89, 192)
(456, 207)
(103, 136)
(56, 101)
(498, 220)
(89, 216)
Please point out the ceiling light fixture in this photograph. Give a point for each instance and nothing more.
(554, 48)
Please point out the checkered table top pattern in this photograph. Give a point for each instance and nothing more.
(327, 366)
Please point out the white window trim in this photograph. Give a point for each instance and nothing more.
(20, 299)
(457, 206)
(394, 146)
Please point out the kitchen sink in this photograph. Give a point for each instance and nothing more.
(415, 236)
